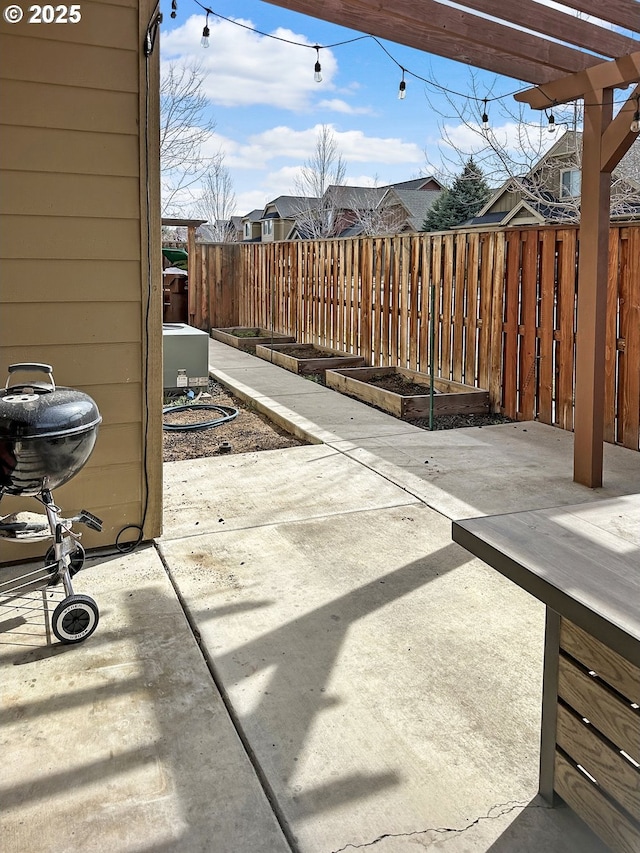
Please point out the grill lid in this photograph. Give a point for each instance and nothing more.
(40, 410)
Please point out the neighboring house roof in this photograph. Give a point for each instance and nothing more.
(494, 218)
(351, 231)
(355, 198)
(253, 216)
(416, 184)
(415, 202)
(288, 206)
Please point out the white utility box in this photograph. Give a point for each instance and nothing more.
(185, 355)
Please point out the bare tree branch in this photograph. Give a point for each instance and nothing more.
(533, 164)
(316, 213)
(218, 201)
(184, 129)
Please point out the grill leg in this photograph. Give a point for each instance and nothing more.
(63, 560)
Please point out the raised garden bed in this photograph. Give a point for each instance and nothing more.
(405, 393)
(247, 338)
(307, 358)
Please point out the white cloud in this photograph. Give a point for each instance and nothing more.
(510, 136)
(244, 69)
(364, 181)
(251, 200)
(339, 106)
(275, 143)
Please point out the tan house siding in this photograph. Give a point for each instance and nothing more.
(505, 202)
(281, 228)
(74, 243)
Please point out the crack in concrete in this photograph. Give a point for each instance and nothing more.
(505, 809)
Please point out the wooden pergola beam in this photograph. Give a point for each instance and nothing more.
(623, 13)
(473, 30)
(618, 138)
(558, 25)
(452, 33)
(615, 73)
(592, 293)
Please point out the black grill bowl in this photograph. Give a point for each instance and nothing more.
(46, 436)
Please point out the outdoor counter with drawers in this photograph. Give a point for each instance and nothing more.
(583, 563)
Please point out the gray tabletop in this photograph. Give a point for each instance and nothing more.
(583, 561)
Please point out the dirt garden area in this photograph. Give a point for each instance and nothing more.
(250, 431)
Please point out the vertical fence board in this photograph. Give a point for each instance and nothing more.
(471, 346)
(512, 304)
(436, 320)
(459, 299)
(546, 326)
(566, 326)
(424, 308)
(414, 287)
(355, 295)
(385, 339)
(403, 318)
(630, 331)
(446, 316)
(377, 291)
(527, 336)
(611, 337)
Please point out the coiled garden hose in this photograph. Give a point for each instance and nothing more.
(228, 414)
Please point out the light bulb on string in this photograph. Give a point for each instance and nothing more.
(402, 88)
(317, 69)
(551, 128)
(634, 127)
(485, 117)
(174, 8)
(204, 41)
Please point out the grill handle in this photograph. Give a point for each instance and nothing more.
(31, 366)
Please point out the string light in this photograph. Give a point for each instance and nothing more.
(485, 117)
(635, 124)
(204, 41)
(174, 8)
(318, 69)
(552, 123)
(402, 88)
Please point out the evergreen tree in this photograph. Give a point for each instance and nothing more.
(466, 196)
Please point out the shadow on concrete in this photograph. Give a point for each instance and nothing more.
(296, 692)
(154, 763)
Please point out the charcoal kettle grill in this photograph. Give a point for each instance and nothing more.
(47, 434)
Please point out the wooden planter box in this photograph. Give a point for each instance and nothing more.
(249, 337)
(305, 366)
(451, 398)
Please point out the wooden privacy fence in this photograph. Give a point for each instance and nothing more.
(504, 319)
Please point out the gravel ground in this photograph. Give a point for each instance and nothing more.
(247, 432)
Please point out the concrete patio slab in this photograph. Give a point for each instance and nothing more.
(121, 742)
(461, 473)
(488, 470)
(258, 489)
(389, 685)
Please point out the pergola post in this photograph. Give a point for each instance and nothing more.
(592, 293)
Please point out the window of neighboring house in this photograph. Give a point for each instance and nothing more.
(247, 230)
(570, 183)
(267, 227)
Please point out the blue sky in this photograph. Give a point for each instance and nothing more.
(267, 107)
